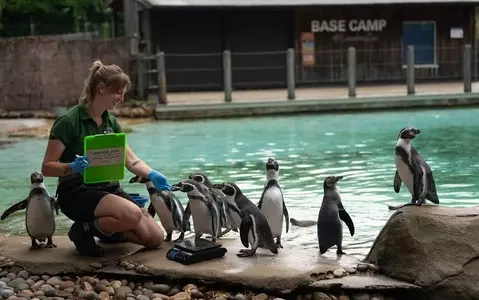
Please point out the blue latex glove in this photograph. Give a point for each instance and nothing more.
(159, 180)
(79, 164)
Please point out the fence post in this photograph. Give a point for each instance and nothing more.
(466, 61)
(160, 65)
(140, 71)
(352, 72)
(291, 82)
(227, 76)
(410, 71)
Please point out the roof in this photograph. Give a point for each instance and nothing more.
(242, 3)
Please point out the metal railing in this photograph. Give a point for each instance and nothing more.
(289, 69)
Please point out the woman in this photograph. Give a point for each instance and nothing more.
(102, 210)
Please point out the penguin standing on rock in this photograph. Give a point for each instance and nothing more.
(330, 229)
(254, 227)
(272, 203)
(220, 198)
(167, 206)
(204, 209)
(413, 170)
(39, 214)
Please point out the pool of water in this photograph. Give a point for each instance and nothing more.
(308, 148)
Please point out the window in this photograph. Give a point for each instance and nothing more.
(421, 35)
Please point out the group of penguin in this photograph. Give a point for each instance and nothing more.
(218, 208)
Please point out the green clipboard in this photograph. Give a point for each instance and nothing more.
(106, 155)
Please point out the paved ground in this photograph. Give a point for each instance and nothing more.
(313, 93)
(292, 267)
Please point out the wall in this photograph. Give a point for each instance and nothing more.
(41, 72)
(379, 53)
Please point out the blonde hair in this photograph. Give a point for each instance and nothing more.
(112, 76)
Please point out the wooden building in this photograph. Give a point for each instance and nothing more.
(194, 33)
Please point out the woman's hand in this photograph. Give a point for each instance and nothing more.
(159, 180)
(79, 164)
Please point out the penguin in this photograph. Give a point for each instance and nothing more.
(23, 205)
(220, 198)
(413, 170)
(39, 213)
(254, 227)
(204, 209)
(330, 229)
(272, 203)
(167, 206)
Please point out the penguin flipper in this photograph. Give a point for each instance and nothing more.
(397, 182)
(432, 193)
(286, 215)
(417, 183)
(245, 227)
(343, 215)
(151, 210)
(17, 206)
(185, 224)
(55, 205)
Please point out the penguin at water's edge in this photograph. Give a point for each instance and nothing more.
(330, 229)
(272, 203)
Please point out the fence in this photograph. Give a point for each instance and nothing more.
(237, 70)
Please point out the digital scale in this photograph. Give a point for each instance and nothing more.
(194, 250)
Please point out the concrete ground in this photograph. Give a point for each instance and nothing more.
(293, 267)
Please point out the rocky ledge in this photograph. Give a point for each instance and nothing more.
(129, 271)
(434, 247)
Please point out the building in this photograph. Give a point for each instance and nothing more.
(194, 33)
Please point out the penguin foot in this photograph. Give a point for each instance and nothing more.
(168, 236)
(35, 245)
(224, 232)
(180, 238)
(340, 252)
(245, 253)
(50, 243)
(278, 242)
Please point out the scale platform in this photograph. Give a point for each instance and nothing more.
(194, 250)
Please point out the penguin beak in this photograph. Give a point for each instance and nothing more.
(176, 187)
(218, 186)
(338, 178)
(134, 179)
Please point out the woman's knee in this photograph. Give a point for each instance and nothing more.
(123, 210)
(156, 238)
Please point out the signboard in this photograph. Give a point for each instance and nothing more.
(307, 49)
(374, 25)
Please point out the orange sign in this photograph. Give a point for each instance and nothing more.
(307, 49)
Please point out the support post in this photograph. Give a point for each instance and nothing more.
(410, 71)
(227, 76)
(290, 78)
(140, 71)
(352, 72)
(160, 64)
(466, 61)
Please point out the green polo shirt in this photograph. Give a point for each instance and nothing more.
(72, 127)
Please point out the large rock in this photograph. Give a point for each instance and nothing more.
(432, 246)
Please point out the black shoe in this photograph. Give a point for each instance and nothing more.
(81, 235)
(115, 238)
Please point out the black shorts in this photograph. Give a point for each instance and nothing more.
(78, 201)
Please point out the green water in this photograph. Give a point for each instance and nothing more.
(358, 146)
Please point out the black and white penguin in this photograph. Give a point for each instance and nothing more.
(167, 206)
(39, 213)
(220, 198)
(203, 208)
(272, 203)
(254, 227)
(413, 170)
(330, 229)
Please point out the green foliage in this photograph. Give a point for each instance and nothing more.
(45, 13)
